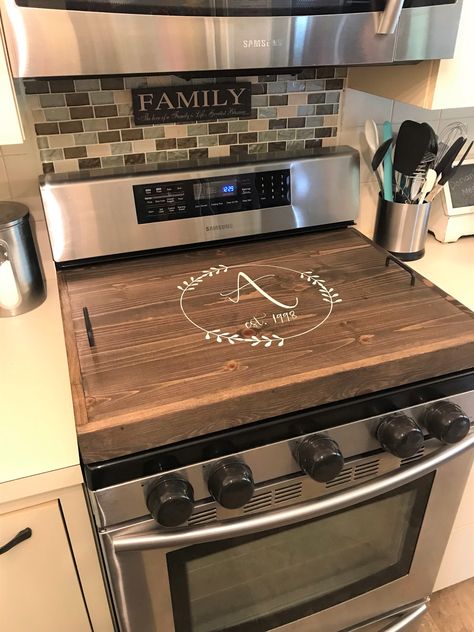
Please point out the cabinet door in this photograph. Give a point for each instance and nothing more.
(434, 85)
(39, 588)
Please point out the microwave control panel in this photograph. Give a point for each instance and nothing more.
(183, 199)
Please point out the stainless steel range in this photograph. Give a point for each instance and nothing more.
(327, 530)
(267, 475)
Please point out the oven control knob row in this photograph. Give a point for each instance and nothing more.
(320, 458)
(400, 435)
(447, 422)
(171, 501)
(231, 484)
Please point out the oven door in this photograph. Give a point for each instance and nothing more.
(66, 37)
(377, 545)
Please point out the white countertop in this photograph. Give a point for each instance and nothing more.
(450, 267)
(37, 429)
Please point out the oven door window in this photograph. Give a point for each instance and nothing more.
(260, 582)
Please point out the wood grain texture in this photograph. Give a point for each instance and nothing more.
(154, 379)
(75, 378)
(450, 610)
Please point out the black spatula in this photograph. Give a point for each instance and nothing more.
(413, 141)
(433, 146)
(449, 157)
(378, 157)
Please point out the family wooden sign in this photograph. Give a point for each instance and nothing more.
(181, 104)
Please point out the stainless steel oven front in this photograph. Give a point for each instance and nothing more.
(66, 37)
(338, 549)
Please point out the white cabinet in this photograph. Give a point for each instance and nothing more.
(450, 266)
(52, 581)
(435, 85)
(11, 129)
(458, 559)
(39, 587)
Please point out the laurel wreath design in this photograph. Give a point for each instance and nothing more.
(329, 295)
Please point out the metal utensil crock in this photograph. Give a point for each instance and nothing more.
(21, 281)
(402, 228)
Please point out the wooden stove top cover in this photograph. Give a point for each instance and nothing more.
(196, 342)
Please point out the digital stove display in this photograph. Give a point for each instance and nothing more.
(166, 201)
(215, 190)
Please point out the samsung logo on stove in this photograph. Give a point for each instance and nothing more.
(262, 43)
(219, 227)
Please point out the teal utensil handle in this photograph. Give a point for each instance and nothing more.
(388, 164)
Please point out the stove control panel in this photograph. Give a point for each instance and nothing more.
(183, 199)
(221, 480)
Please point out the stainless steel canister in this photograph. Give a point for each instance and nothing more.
(402, 228)
(21, 280)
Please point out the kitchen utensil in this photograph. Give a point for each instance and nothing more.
(408, 188)
(430, 181)
(372, 135)
(447, 174)
(419, 177)
(416, 186)
(427, 162)
(448, 135)
(433, 145)
(450, 156)
(21, 281)
(413, 142)
(373, 141)
(378, 158)
(388, 164)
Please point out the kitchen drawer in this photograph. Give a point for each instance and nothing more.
(39, 588)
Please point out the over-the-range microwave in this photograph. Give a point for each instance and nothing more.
(103, 37)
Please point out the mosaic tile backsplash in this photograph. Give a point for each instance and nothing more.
(88, 123)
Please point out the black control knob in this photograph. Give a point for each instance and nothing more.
(171, 501)
(320, 457)
(400, 435)
(231, 484)
(447, 422)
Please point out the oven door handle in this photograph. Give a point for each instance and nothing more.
(390, 17)
(407, 619)
(297, 513)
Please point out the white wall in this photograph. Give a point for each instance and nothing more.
(359, 106)
(20, 166)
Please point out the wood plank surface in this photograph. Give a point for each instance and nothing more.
(153, 378)
(450, 610)
(80, 408)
